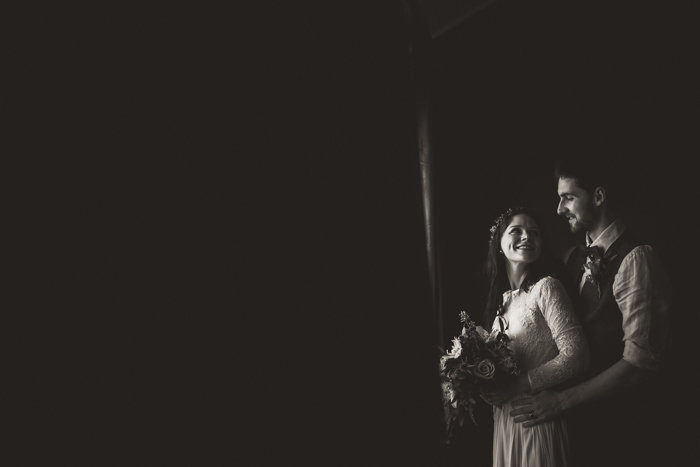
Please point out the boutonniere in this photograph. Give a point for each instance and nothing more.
(596, 266)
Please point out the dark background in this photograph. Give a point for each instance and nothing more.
(225, 247)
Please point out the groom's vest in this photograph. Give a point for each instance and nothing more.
(600, 316)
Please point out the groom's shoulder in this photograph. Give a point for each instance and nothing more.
(642, 254)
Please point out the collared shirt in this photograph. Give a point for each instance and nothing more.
(642, 290)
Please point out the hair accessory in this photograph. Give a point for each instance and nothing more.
(499, 220)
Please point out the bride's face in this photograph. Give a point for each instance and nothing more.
(521, 241)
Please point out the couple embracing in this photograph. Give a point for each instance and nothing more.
(589, 342)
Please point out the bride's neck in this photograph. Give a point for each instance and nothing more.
(516, 274)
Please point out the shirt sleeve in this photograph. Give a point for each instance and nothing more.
(573, 356)
(643, 292)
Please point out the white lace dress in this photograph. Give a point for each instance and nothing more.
(550, 345)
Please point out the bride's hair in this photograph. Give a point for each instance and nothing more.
(495, 270)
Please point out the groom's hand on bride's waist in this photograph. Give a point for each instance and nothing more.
(538, 408)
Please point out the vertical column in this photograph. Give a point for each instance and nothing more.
(419, 43)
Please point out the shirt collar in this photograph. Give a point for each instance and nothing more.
(608, 236)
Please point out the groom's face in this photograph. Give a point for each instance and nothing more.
(576, 205)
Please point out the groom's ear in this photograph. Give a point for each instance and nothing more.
(599, 195)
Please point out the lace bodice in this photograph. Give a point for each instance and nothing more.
(548, 339)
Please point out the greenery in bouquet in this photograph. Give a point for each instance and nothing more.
(477, 359)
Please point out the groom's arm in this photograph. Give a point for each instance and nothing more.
(643, 293)
(549, 404)
(620, 376)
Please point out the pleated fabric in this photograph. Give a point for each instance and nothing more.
(543, 445)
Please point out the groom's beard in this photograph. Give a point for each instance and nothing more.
(583, 223)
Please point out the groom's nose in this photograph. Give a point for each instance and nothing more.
(560, 209)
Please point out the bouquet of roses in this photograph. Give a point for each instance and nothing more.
(477, 358)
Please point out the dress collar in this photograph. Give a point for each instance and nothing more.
(608, 236)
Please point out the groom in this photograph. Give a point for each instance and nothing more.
(622, 297)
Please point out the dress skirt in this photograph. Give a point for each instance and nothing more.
(542, 445)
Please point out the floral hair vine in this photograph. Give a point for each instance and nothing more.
(499, 220)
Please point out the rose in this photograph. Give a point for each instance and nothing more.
(485, 369)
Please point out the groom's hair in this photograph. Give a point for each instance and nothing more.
(590, 172)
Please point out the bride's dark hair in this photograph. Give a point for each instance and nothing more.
(495, 267)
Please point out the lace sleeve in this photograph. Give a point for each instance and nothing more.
(573, 356)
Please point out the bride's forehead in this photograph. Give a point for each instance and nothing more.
(522, 220)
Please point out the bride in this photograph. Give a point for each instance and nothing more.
(533, 309)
